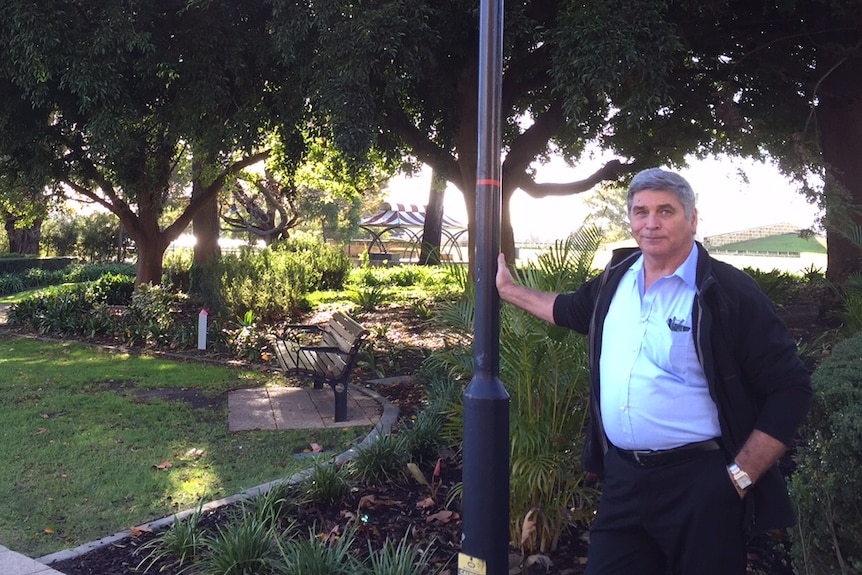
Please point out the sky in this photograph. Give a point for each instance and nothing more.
(726, 203)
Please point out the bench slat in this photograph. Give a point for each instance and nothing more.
(321, 362)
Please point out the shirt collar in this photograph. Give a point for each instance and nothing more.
(687, 271)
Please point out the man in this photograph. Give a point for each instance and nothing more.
(696, 391)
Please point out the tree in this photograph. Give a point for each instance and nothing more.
(609, 212)
(789, 81)
(263, 205)
(432, 231)
(650, 82)
(401, 78)
(24, 205)
(116, 95)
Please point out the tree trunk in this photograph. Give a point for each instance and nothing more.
(150, 258)
(205, 225)
(23, 240)
(839, 119)
(433, 230)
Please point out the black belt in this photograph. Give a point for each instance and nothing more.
(648, 458)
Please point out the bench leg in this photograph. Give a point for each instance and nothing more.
(318, 383)
(340, 391)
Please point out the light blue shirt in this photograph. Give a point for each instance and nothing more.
(654, 394)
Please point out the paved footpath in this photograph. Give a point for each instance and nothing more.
(12, 563)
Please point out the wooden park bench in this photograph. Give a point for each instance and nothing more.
(329, 359)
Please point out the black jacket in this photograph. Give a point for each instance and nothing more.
(755, 375)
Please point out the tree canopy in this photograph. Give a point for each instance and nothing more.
(116, 95)
(652, 82)
(119, 94)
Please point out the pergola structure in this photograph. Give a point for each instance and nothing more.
(408, 221)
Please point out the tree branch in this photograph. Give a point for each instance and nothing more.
(424, 149)
(610, 171)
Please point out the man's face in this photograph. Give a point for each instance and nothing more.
(660, 226)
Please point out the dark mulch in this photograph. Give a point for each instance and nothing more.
(387, 512)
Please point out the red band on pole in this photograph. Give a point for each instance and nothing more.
(488, 182)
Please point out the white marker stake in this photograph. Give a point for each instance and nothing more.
(202, 329)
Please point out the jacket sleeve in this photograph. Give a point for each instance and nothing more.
(574, 310)
(771, 369)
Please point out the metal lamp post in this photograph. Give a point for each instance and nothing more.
(485, 536)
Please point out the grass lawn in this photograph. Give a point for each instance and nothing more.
(783, 243)
(84, 454)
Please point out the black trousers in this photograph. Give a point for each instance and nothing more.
(683, 518)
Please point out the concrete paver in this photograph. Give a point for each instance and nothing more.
(12, 563)
(279, 407)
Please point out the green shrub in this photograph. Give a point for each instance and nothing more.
(182, 542)
(243, 547)
(11, 283)
(327, 484)
(38, 277)
(329, 265)
(92, 272)
(311, 555)
(114, 289)
(369, 298)
(382, 461)
(851, 310)
(178, 270)
(543, 368)
(828, 477)
(401, 559)
(776, 284)
(422, 438)
(58, 310)
(248, 340)
(149, 318)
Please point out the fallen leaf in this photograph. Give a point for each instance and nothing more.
(444, 516)
(48, 531)
(331, 536)
(370, 502)
(140, 530)
(194, 452)
(316, 448)
(42, 431)
(417, 473)
(163, 465)
(425, 503)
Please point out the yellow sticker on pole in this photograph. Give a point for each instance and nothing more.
(470, 565)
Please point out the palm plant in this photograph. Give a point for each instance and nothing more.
(544, 370)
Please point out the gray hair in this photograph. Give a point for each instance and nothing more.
(663, 180)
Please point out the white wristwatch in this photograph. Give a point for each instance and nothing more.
(740, 477)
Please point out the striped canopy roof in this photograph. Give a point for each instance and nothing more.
(404, 215)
